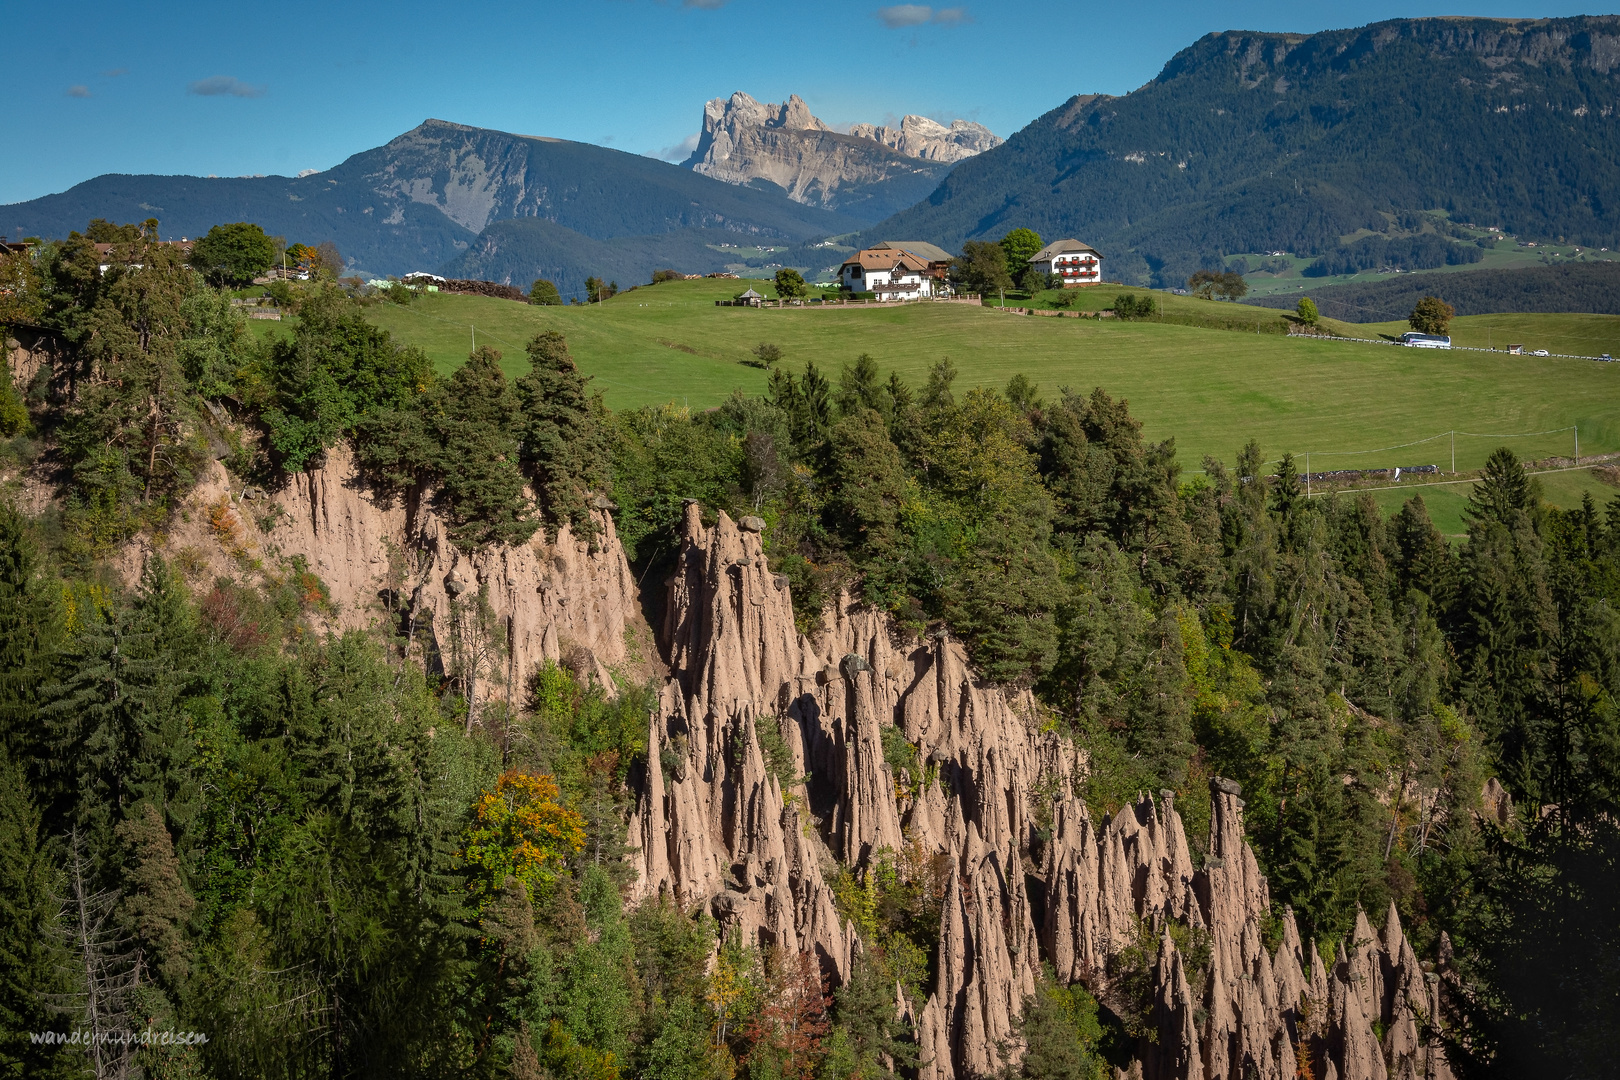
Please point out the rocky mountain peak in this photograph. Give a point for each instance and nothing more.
(726, 115)
(920, 137)
(880, 168)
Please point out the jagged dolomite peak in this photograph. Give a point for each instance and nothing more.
(920, 137)
(876, 169)
(717, 829)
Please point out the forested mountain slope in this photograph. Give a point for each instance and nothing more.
(1589, 287)
(973, 740)
(421, 201)
(1256, 142)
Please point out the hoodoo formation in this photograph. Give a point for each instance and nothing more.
(715, 828)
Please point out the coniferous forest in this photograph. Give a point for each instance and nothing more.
(218, 817)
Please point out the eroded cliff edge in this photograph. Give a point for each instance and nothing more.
(391, 561)
(715, 828)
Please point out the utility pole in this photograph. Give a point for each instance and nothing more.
(1307, 474)
(1577, 444)
(474, 330)
(1453, 453)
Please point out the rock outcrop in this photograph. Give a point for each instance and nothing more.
(716, 827)
(391, 561)
(870, 173)
(920, 137)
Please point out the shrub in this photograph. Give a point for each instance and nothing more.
(1127, 306)
(765, 355)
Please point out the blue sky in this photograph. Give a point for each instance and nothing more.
(239, 89)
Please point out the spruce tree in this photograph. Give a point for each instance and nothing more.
(32, 959)
(815, 417)
(565, 437)
(474, 419)
(156, 904)
(1503, 490)
(859, 388)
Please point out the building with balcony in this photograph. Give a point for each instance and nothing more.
(888, 273)
(1076, 263)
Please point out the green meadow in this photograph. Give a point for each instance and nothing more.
(1210, 389)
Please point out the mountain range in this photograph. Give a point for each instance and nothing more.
(468, 201)
(1245, 142)
(1252, 142)
(869, 173)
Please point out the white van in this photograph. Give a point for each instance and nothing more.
(1426, 341)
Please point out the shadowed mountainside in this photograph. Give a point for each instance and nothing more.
(1255, 142)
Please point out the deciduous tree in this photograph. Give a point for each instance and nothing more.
(790, 284)
(1017, 248)
(233, 254)
(1432, 315)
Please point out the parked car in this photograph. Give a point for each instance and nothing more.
(1540, 352)
(1605, 356)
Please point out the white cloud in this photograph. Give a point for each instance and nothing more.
(905, 15)
(78, 91)
(307, 172)
(224, 86)
(679, 151)
(899, 16)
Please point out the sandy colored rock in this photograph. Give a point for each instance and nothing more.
(744, 140)
(716, 828)
(920, 137)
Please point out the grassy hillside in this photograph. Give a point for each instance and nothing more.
(1210, 389)
(1568, 334)
(1446, 500)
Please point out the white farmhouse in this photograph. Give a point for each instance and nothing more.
(889, 272)
(1074, 262)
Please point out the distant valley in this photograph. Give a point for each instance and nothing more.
(1301, 142)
